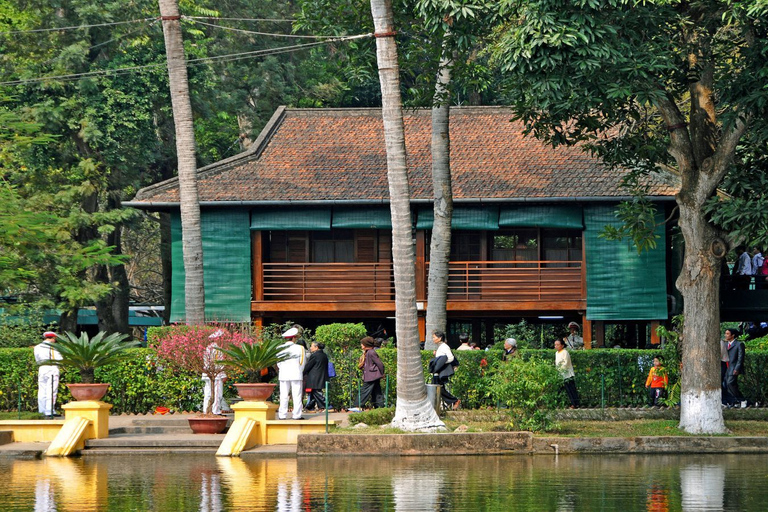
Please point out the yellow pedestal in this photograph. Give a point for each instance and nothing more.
(260, 412)
(95, 411)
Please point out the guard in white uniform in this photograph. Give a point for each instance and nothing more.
(47, 375)
(291, 376)
(211, 357)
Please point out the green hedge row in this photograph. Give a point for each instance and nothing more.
(139, 384)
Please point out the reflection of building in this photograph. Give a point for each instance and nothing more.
(298, 226)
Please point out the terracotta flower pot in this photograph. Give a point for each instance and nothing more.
(83, 392)
(255, 392)
(208, 425)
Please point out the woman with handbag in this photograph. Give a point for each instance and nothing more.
(442, 367)
(315, 377)
(373, 371)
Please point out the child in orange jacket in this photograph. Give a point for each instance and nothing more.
(656, 383)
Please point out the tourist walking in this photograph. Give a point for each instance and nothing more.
(315, 376)
(442, 367)
(564, 366)
(759, 269)
(290, 373)
(214, 389)
(373, 371)
(657, 382)
(47, 374)
(742, 271)
(510, 349)
(735, 368)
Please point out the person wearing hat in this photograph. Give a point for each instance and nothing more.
(373, 371)
(290, 373)
(47, 375)
(510, 349)
(211, 358)
(573, 341)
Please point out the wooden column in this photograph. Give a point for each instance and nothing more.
(258, 321)
(422, 320)
(489, 338)
(655, 339)
(599, 333)
(586, 332)
(421, 282)
(257, 257)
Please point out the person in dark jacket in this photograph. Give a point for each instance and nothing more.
(315, 376)
(373, 371)
(735, 362)
(442, 367)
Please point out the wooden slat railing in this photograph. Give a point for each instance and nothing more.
(514, 280)
(467, 281)
(329, 282)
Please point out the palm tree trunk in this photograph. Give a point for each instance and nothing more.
(440, 245)
(413, 411)
(192, 243)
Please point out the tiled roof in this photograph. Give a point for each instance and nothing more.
(338, 155)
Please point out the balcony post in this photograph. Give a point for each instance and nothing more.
(258, 266)
(421, 282)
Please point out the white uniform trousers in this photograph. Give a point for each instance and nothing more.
(47, 391)
(288, 389)
(218, 394)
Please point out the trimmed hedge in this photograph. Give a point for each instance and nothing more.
(139, 384)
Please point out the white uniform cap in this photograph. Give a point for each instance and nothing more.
(291, 333)
(217, 334)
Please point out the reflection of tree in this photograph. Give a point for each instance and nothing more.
(702, 486)
(420, 489)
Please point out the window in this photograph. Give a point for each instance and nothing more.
(515, 245)
(337, 246)
(561, 246)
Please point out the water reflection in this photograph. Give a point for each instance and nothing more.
(568, 483)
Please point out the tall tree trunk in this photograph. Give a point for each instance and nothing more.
(192, 243)
(112, 309)
(440, 245)
(702, 162)
(413, 410)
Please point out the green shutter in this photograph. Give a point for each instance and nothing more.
(226, 266)
(622, 284)
(296, 219)
(464, 218)
(541, 216)
(362, 218)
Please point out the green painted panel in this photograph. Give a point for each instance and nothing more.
(464, 218)
(362, 218)
(622, 284)
(541, 216)
(226, 266)
(291, 219)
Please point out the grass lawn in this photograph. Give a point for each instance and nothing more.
(496, 421)
(24, 415)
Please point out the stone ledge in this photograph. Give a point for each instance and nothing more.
(6, 436)
(416, 444)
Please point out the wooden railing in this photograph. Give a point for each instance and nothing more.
(514, 280)
(329, 282)
(467, 281)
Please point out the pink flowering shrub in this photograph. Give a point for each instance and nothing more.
(184, 347)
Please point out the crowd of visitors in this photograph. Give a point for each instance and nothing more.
(749, 265)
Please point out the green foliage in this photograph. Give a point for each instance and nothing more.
(381, 416)
(340, 337)
(529, 335)
(21, 326)
(529, 389)
(251, 358)
(85, 353)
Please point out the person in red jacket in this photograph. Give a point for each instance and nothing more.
(657, 382)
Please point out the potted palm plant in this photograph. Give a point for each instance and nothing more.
(86, 354)
(255, 359)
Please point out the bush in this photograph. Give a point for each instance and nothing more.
(529, 389)
(381, 416)
(21, 326)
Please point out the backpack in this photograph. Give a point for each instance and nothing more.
(331, 370)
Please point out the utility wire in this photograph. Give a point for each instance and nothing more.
(239, 19)
(225, 58)
(77, 27)
(270, 34)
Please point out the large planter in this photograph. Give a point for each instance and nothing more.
(84, 392)
(258, 392)
(208, 425)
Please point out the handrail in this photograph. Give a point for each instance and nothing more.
(467, 281)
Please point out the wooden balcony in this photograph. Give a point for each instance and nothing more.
(472, 286)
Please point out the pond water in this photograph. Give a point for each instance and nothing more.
(207, 483)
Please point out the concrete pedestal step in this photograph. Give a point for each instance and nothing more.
(90, 452)
(6, 436)
(166, 430)
(156, 441)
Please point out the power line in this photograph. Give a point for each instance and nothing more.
(270, 34)
(224, 58)
(279, 20)
(74, 27)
